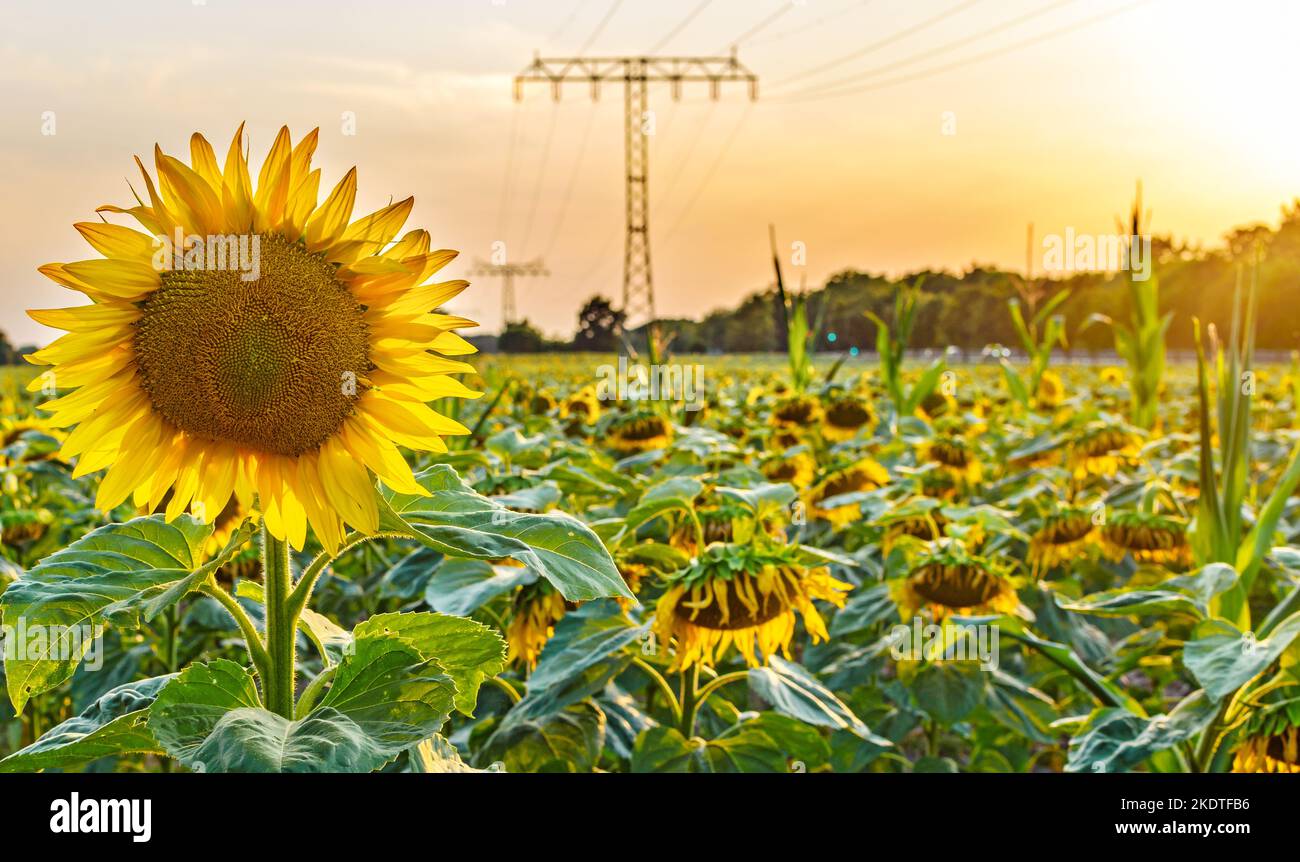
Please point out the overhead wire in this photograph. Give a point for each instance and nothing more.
(896, 36)
(933, 52)
(976, 58)
(681, 25)
(708, 175)
(600, 28)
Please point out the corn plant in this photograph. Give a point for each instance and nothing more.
(1219, 534)
(1141, 341)
(1038, 336)
(891, 347)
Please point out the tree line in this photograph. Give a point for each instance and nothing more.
(969, 310)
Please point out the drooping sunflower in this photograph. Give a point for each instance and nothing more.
(954, 455)
(844, 417)
(1149, 538)
(640, 431)
(1111, 376)
(952, 581)
(798, 412)
(1102, 450)
(1269, 744)
(1051, 391)
(24, 526)
(745, 596)
(722, 523)
(293, 375)
(798, 469)
(918, 517)
(536, 608)
(1066, 535)
(582, 406)
(541, 403)
(865, 475)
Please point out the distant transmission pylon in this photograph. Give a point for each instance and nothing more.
(636, 73)
(507, 272)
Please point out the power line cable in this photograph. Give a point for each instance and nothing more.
(881, 43)
(682, 25)
(708, 176)
(679, 165)
(541, 175)
(600, 28)
(507, 178)
(933, 52)
(786, 6)
(810, 25)
(573, 179)
(559, 31)
(976, 58)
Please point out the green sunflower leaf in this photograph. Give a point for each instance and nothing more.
(458, 521)
(120, 572)
(116, 723)
(384, 699)
(468, 652)
(794, 692)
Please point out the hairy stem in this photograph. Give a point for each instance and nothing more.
(281, 624)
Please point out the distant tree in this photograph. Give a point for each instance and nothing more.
(598, 326)
(8, 356)
(521, 338)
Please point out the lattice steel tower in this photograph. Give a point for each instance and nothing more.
(636, 74)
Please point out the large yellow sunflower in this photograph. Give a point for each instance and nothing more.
(293, 378)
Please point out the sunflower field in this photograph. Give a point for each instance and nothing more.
(288, 523)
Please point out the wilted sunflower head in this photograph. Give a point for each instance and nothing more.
(721, 523)
(541, 403)
(952, 581)
(744, 596)
(865, 475)
(798, 469)
(252, 341)
(917, 518)
(535, 610)
(24, 526)
(1051, 391)
(797, 412)
(1111, 376)
(844, 417)
(1148, 538)
(582, 405)
(1101, 450)
(1270, 742)
(938, 403)
(1065, 535)
(639, 432)
(954, 455)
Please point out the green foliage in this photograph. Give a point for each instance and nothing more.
(891, 347)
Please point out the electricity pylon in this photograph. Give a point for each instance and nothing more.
(507, 272)
(636, 74)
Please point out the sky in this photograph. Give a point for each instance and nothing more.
(888, 136)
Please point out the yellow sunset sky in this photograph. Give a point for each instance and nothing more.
(1055, 108)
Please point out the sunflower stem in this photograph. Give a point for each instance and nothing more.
(252, 640)
(281, 624)
(690, 699)
(674, 706)
(713, 685)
